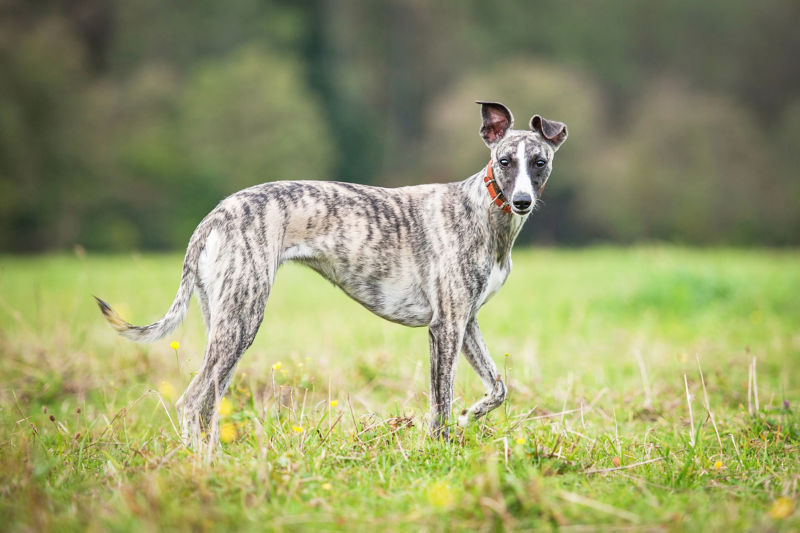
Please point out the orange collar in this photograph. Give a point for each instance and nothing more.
(494, 191)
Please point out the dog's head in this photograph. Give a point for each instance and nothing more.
(521, 160)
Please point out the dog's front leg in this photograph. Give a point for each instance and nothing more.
(477, 354)
(445, 342)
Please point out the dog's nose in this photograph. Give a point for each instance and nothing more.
(522, 201)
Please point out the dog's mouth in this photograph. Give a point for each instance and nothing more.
(522, 212)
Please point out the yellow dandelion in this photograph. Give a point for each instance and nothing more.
(227, 432)
(781, 508)
(521, 440)
(440, 495)
(334, 403)
(174, 345)
(276, 366)
(297, 429)
(718, 465)
(225, 407)
(326, 486)
(167, 390)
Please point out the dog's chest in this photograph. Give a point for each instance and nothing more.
(497, 277)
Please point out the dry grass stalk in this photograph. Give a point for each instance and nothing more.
(624, 467)
(566, 396)
(707, 403)
(691, 415)
(755, 384)
(598, 506)
(648, 394)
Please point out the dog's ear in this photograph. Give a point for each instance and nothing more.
(554, 132)
(497, 120)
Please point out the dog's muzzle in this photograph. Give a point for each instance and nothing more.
(522, 203)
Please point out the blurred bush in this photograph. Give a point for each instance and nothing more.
(250, 118)
(689, 166)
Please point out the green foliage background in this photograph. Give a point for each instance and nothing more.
(122, 123)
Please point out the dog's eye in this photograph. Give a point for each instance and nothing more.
(540, 163)
(504, 161)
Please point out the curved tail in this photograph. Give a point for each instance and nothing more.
(177, 311)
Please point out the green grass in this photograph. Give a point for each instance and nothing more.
(87, 443)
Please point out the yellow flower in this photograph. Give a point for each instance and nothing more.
(167, 390)
(227, 432)
(225, 407)
(276, 366)
(334, 403)
(440, 495)
(174, 345)
(326, 486)
(520, 440)
(781, 508)
(297, 429)
(718, 465)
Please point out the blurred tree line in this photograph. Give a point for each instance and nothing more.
(123, 122)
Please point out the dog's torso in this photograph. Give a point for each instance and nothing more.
(444, 251)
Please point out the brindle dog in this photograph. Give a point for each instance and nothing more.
(427, 255)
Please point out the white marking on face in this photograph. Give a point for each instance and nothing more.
(522, 185)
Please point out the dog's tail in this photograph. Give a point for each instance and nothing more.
(174, 316)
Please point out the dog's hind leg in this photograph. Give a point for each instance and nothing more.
(478, 356)
(236, 288)
(231, 333)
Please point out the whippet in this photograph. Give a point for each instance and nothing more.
(425, 255)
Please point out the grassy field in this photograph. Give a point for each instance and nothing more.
(324, 427)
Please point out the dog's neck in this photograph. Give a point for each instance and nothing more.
(503, 227)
